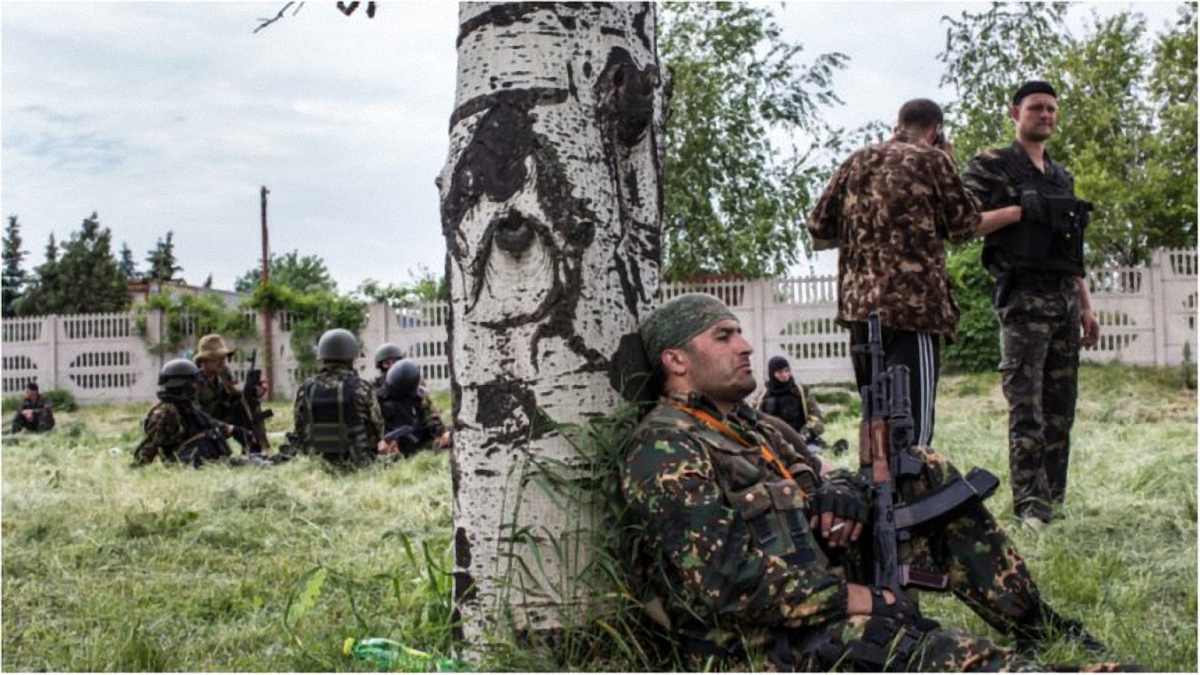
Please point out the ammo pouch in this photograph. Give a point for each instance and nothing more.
(774, 513)
(337, 434)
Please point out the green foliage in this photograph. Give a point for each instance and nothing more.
(736, 197)
(14, 277)
(127, 263)
(86, 279)
(1127, 125)
(211, 593)
(976, 346)
(422, 286)
(161, 263)
(290, 270)
(312, 313)
(187, 315)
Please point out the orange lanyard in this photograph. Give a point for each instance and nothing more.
(729, 433)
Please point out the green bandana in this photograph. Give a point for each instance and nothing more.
(679, 320)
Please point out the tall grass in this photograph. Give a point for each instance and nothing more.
(110, 568)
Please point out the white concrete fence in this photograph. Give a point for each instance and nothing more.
(1147, 316)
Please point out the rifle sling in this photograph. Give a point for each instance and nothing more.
(976, 486)
(728, 432)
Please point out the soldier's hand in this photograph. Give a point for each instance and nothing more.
(28, 415)
(839, 513)
(262, 390)
(442, 441)
(1091, 327)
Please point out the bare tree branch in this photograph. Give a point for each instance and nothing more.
(268, 22)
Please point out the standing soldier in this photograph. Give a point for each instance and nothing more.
(218, 395)
(1040, 297)
(177, 429)
(409, 419)
(889, 209)
(35, 413)
(387, 354)
(336, 414)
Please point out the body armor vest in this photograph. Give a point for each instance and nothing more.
(336, 431)
(1048, 243)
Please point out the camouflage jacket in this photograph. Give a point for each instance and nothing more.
(222, 399)
(888, 209)
(365, 405)
(714, 519)
(43, 416)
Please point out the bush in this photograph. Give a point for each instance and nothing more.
(61, 400)
(976, 347)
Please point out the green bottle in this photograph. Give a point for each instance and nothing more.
(393, 655)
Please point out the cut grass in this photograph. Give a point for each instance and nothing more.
(107, 568)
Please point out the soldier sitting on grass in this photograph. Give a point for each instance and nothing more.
(35, 413)
(178, 430)
(737, 530)
(335, 412)
(410, 422)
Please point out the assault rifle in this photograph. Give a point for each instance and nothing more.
(885, 438)
(404, 437)
(254, 412)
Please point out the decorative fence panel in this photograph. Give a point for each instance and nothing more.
(1147, 316)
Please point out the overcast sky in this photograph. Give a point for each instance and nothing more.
(171, 116)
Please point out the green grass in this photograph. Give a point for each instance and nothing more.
(161, 569)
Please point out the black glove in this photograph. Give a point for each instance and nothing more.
(902, 609)
(1034, 207)
(842, 498)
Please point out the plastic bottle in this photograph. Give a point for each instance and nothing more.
(393, 655)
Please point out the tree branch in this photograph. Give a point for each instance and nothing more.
(268, 22)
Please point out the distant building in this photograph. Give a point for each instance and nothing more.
(140, 291)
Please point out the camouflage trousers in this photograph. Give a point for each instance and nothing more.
(983, 570)
(1040, 336)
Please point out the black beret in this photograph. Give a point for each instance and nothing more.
(1033, 87)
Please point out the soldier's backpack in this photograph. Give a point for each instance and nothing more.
(337, 434)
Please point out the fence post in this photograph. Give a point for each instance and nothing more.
(1158, 304)
(52, 324)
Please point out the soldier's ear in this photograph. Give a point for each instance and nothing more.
(674, 362)
(1014, 112)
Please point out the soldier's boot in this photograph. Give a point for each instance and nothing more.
(1042, 623)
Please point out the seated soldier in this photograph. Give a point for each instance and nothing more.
(737, 530)
(794, 404)
(177, 430)
(219, 396)
(35, 413)
(385, 355)
(410, 422)
(335, 412)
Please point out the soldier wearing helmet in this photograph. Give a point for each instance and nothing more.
(177, 429)
(385, 355)
(409, 419)
(336, 414)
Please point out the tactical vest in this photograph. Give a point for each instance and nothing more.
(787, 406)
(203, 440)
(336, 432)
(1054, 247)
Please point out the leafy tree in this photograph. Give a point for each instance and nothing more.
(208, 281)
(290, 270)
(86, 279)
(14, 278)
(163, 266)
(736, 198)
(127, 263)
(1127, 124)
(423, 286)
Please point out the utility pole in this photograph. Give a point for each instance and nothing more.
(268, 350)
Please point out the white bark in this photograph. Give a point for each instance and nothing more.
(551, 207)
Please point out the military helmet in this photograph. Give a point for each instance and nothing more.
(403, 377)
(387, 351)
(337, 344)
(177, 374)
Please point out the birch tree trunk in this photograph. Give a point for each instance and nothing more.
(551, 205)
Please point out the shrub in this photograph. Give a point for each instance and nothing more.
(976, 347)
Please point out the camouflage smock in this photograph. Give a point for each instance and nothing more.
(43, 416)
(166, 430)
(221, 398)
(690, 485)
(888, 209)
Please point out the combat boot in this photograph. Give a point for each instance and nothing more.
(1042, 623)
